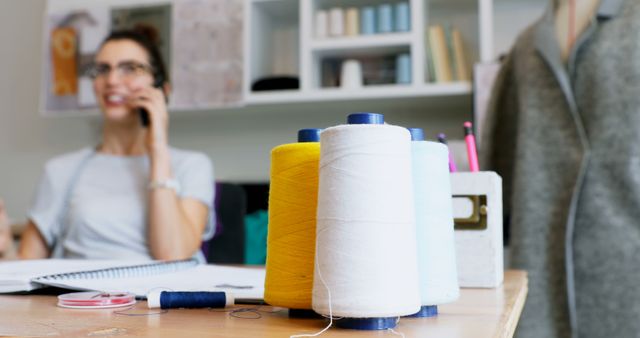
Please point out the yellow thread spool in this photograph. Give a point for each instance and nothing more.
(291, 240)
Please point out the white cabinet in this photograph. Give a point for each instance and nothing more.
(280, 40)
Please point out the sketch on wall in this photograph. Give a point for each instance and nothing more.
(201, 42)
(207, 60)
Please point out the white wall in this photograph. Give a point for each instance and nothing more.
(26, 139)
(239, 142)
(510, 18)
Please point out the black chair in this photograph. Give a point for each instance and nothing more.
(228, 244)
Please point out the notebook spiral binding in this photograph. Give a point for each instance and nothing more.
(125, 271)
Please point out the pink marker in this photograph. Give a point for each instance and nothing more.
(472, 153)
(442, 138)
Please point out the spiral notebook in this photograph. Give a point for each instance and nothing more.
(136, 277)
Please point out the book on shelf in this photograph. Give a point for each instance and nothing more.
(462, 69)
(430, 72)
(440, 54)
(136, 277)
(446, 55)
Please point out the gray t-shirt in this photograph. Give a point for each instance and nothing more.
(105, 216)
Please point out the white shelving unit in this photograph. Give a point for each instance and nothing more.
(281, 32)
(366, 42)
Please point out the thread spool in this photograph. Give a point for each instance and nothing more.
(434, 224)
(322, 24)
(402, 17)
(292, 224)
(385, 18)
(352, 21)
(351, 74)
(336, 22)
(367, 20)
(417, 134)
(403, 68)
(366, 269)
(96, 300)
(186, 299)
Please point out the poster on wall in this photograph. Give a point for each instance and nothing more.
(200, 41)
(64, 60)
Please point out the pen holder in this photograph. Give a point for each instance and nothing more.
(477, 213)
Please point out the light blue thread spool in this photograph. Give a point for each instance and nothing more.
(403, 68)
(434, 225)
(402, 16)
(385, 18)
(367, 20)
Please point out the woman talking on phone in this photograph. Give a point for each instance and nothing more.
(132, 196)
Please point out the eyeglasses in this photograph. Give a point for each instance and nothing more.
(127, 70)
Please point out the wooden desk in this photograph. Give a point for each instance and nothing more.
(478, 313)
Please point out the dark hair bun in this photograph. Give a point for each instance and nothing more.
(149, 32)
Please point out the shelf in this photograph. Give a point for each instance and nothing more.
(362, 42)
(317, 61)
(369, 92)
(274, 32)
(327, 4)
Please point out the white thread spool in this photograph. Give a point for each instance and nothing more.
(365, 245)
(351, 74)
(434, 223)
(336, 21)
(322, 24)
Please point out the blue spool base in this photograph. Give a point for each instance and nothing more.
(303, 313)
(426, 311)
(382, 323)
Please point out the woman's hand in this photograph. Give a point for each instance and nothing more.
(153, 101)
(6, 238)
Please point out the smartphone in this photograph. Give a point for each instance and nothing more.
(143, 113)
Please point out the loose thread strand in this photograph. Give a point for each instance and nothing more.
(326, 286)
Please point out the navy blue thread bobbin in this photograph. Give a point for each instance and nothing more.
(186, 299)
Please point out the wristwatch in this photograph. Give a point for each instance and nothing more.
(165, 184)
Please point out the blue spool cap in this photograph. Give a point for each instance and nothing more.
(365, 118)
(383, 323)
(309, 135)
(426, 311)
(417, 134)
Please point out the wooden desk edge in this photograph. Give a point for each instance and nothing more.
(519, 280)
